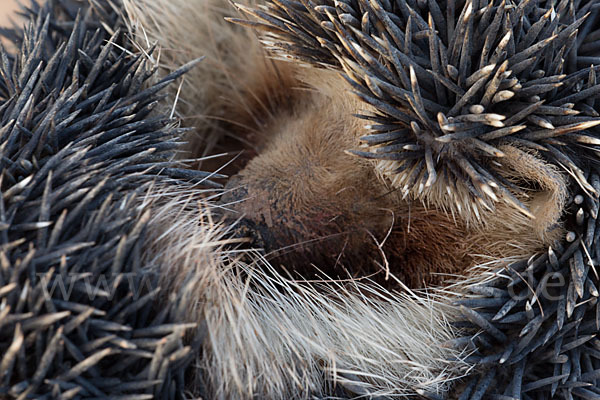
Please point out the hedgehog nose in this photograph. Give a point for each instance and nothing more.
(252, 235)
(246, 225)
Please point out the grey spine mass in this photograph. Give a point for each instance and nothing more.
(80, 141)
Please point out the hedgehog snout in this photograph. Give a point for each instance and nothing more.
(260, 212)
(236, 211)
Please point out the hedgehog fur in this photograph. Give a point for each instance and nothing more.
(84, 131)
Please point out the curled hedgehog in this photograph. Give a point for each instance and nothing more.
(411, 208)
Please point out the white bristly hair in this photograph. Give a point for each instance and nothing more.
(268, 336)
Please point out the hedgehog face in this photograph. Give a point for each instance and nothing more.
(302, 195)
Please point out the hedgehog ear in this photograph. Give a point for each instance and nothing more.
(544, 189)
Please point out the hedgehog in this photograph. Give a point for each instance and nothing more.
(411, 208)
